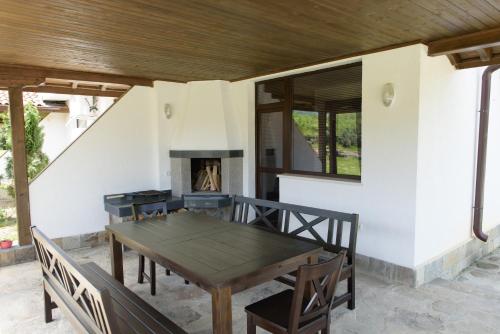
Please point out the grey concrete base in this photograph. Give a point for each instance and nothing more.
(446, 266)
(387, 271)
(452, 263)
(20, 254)
(16, 254)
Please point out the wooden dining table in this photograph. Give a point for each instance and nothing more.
(221, 257)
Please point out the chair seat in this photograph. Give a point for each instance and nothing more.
(272, 308)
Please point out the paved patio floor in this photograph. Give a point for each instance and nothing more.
(468, 304)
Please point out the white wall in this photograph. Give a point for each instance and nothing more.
(446, 152)
(117, 154)
(174, 94)
(207, 121)
(491, 211)
(56, 134)
(206, 115)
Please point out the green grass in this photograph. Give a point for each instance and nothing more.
(348, 166)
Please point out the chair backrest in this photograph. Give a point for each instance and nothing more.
(91, 304)
(309, 219)
(322, 279)
(144, 211)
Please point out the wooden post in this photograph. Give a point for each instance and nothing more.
(20, 165)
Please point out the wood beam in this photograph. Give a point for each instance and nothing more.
(14, 71)
(485, 54)
(469, 42)
(454, 58)
(476, 62)
(77, 91)
(20, 164)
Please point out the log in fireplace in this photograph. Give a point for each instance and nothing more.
(206, 174)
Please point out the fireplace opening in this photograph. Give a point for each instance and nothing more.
(206, 175)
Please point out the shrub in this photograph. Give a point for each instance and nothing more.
(36, 159)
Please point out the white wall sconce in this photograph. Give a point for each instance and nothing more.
(167, 110)
(388, 94)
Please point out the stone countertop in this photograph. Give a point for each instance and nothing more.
(120, 205)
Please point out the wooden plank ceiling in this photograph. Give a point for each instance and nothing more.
(181, 40)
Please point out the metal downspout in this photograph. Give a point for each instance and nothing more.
(477, 222)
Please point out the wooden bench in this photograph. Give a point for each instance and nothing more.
(93, 301)
(276, 217)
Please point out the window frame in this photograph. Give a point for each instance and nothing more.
(286, 107)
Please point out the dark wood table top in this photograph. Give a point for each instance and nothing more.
(213, 253)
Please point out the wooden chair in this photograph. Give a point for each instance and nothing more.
(139, 213)
(292, 311)
(339, 232)
(92, 299)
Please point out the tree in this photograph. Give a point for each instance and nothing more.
(36, 159)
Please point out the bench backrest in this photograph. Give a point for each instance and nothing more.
(309, 219)
(90, 305)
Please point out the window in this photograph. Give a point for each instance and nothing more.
(309, 124)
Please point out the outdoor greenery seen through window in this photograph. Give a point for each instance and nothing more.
(348, 137)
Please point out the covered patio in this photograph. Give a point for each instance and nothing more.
(294, 166)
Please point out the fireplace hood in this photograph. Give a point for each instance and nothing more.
(207, 119)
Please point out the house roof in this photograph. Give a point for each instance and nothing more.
(34, 98)
(204, 40)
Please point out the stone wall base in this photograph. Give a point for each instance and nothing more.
(20, 254)
(446, 266)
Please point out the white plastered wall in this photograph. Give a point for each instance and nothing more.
(117, 154)
(446, 152)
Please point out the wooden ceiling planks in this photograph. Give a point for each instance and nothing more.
(202, 40)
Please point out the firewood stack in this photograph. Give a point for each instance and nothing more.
(208, 178)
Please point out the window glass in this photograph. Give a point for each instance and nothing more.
(326, 122)
(269, 186)
(271, 139)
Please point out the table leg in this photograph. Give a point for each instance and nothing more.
(222, 319)
(116, 258)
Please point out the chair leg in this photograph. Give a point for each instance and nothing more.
(351, 288)
(251, 327)
(140, 271)
(152, 275)
(167, 271)
(327, 329)
(47, 303)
